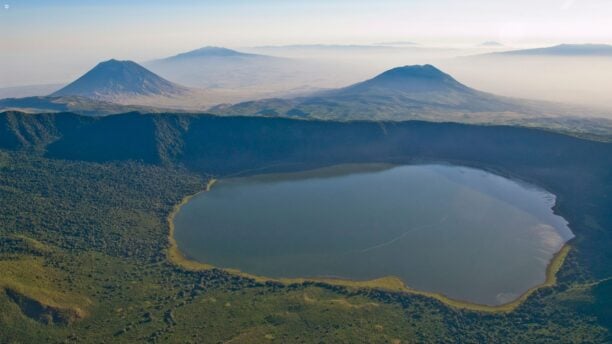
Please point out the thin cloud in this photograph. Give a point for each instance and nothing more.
(567, 4)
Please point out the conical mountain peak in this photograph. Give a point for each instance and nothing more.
(114, 79)
(416, 78)
(414, 72)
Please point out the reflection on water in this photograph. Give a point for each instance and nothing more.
(462, 232)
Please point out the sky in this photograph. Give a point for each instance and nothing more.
(36, 35)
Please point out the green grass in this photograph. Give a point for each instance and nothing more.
(28, 277)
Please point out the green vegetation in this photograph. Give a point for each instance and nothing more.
(34, 288)
(84, 233)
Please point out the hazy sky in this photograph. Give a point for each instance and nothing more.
(37, 34)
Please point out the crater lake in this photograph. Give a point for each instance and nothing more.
(462, 232)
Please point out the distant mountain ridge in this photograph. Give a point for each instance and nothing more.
(491, 44)
(114, 80)
(398, 43)
(29, 90)
(209, 51)
(562, 50)
(217, 67)
(420, 92)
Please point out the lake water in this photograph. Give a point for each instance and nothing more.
(458, 231)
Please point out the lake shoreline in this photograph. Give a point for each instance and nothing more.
(387, 283)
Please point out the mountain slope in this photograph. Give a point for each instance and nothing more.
(115, 80)
(424, 93)
(215, 67)
(413, 91)
(217, 144)
(209, 51)
(413, 79)
(410, 92)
